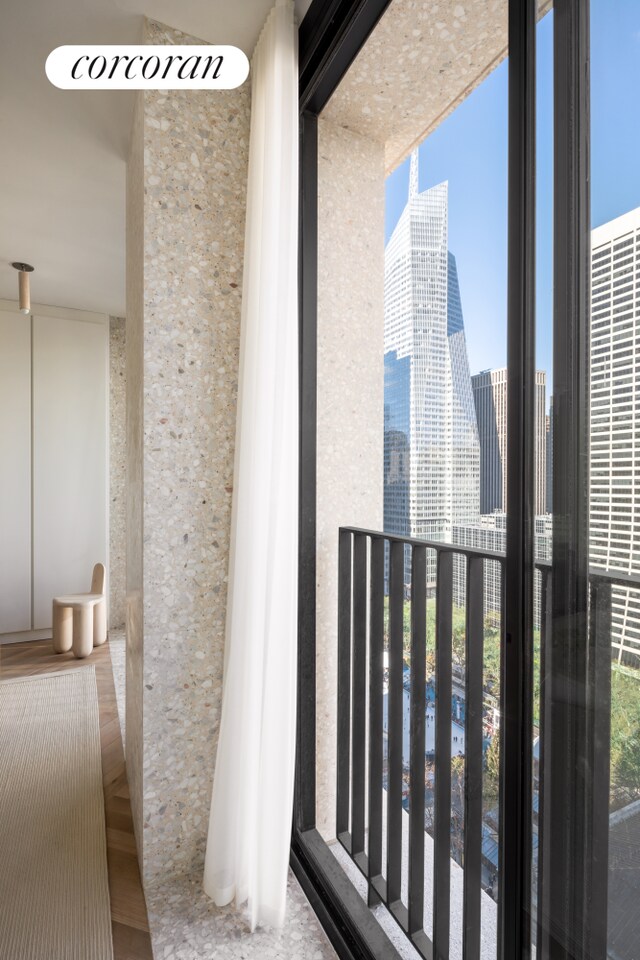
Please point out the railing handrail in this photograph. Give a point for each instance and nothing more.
(613, 577)
(439, 545)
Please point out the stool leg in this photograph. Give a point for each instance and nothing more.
(99, 623)
(82, 631)
(62, 628)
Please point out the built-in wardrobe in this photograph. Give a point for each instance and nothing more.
(53, 461)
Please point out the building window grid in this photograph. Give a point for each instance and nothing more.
(615, 437)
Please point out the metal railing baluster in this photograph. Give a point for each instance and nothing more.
(417, 738)
(394, 724)
(599, 737)
(442, 814)
(344, 686)
(358, 693)
(376, 681)
(473, 758)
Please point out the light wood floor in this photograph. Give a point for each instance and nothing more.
(131, 940)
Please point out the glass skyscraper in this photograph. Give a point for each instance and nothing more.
(431, 448)
(397, 398)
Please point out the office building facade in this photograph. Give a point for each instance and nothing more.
(490, 398)
(490, 534)
(615, 418)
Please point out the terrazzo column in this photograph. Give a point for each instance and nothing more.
(350, 395)
(185, 235)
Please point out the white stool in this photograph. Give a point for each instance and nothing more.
(80, 619)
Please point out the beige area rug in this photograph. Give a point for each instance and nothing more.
(54, 893)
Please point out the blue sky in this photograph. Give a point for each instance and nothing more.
(469, 149)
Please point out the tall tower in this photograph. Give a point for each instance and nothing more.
(490, 398)
(429, 410)
(615, 417)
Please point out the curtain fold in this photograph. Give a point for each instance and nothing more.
(251, 806)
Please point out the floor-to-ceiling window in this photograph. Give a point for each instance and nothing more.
(456, 740)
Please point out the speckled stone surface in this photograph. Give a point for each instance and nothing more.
(134, 401)
(117, 473)
(117, 652)
(350, 394)
(186, 925)
(195, 151)
(422, 59)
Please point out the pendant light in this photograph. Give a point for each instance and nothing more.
(24, 269)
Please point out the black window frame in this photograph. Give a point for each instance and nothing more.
(331, 35)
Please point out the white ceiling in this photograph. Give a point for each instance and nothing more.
(63, 156)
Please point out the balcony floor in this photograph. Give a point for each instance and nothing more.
(489, 910)
(185, 925)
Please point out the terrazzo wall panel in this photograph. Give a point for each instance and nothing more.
(195, 146)
(134, 367)
(350, 394)
(419, 63)
(421, 60)
(117, 473)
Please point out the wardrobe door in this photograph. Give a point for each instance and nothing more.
(15, 472)
(70, 462)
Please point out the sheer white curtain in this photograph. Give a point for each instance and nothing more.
(251, 806)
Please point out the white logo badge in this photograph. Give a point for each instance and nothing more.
(140, 67)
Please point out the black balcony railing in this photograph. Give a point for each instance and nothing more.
(379, 575)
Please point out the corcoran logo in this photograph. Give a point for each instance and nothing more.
(133, 67)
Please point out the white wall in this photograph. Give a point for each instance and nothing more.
(15, 472)
(54, 499)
